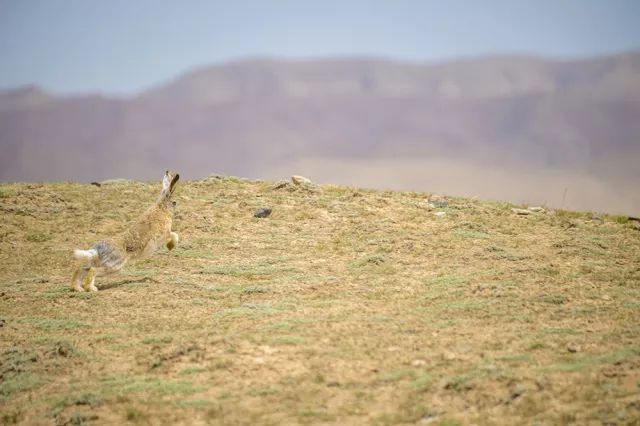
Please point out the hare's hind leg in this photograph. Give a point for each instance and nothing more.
(77, 279)
(173, 241)
(89, 283)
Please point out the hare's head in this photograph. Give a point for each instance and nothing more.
(168, 186)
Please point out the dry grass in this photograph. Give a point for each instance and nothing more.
(345, 306)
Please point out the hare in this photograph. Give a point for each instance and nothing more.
(142, 239)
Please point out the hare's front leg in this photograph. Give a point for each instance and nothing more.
(173, 241)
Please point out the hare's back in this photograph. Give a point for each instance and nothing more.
(155, 225)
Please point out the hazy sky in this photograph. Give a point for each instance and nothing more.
(124, 46)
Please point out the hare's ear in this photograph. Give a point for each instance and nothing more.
(172, 185)
(166, 181)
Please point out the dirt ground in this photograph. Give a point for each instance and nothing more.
(344, 306)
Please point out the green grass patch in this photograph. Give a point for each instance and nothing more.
(288, 340)
(80, 399)
(472, 234)
(248, 310)
(447, 280)
(284, 326)
(19, 383)
(6, 192)
(122, 385)
(253, 289)
(192, 370)
(515, 358)
(262, 391)
(422, 382)
(564, 367)
(441, 287)
(537, 346)
(564, 331)
(579, 362)
(374, 259)
(620, 219)
(397, 375)
(157, 340)
(56, 293)
(133, 414)
(38, 237)
(189, 253)
(243, 271)
(554, 299)
(465, 305)
(55, 324)
(198, 403)
(568, 214)
(410, 410)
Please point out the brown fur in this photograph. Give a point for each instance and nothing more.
(154, 224)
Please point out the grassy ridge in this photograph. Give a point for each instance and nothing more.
(345, 306)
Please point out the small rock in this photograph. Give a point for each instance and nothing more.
(300, 180)
(440, 214)
(437, 201)
(606, 297)
(522, 212)
(2, 322)
(543, 383)
(517, 391)
(428, 419)
(268, 350)
(573, 348)
(393, 349)
(490, 368)
(418, 363)
(280, 184)
(261, 213)
(63, 349)
(259, 360)
(449, 356)
(536, 209)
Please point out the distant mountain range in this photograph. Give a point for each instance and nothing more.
(267, 117)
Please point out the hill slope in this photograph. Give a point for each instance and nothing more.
(257, 117)
(345, 306)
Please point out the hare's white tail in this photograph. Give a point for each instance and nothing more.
(85, 254)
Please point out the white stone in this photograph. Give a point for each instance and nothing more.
(521, 211)
(300, 180)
